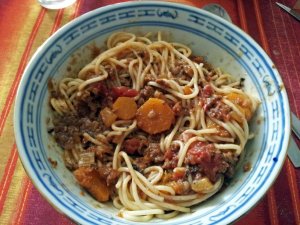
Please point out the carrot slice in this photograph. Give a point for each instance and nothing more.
(90, 180)
(155, 116)
(187, 90)
(125, 108)
(243, 103)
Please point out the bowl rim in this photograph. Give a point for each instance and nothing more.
(85, 16)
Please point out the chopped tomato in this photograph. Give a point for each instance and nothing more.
(171, 158)
(123, 91)
(208, 91)
(204, 155)
(199, 151)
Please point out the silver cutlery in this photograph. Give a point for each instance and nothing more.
(296, 125)
(292, 11)
(294, 153)
(293, 150)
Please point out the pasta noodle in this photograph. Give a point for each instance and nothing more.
(158, 127)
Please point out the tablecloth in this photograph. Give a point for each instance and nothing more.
(25, 25)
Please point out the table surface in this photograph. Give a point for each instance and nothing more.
(25, 25)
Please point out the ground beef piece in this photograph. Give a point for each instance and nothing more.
(99, 89)
(182, 70)
(178, 109)
(147, 92)
(211, 161)
(54, 93)
(155, 153)
(52, 162)
(200, 59)
(134, 145)
(67, 137)
(82, 109)
(211, 102)
(213, 105)
(195, 171)
(69, 129)
(171, 157)
(247, 167)
(154, 138)
(231, 158)
(188, 70)
(176, 70)
(141, 163)
(161, 95)
(125, 81)
(149, 77)
(88, 104)
(220, 111)
(152, 154)
(102, 154)
(92, 127)
(163, 83)
(102, 95)
(66, 132)
(197, 59)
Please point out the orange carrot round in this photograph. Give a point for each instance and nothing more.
(155, 116)
(90, 180)
(243, 103)
(125, 108)
(187, 90)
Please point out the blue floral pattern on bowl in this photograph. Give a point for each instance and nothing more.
(220, 42)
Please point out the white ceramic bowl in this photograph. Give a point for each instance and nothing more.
(223, 45)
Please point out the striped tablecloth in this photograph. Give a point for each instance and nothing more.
(25, 25)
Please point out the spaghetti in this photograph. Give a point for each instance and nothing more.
(151, 126)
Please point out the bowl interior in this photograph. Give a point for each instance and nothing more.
(222, 44)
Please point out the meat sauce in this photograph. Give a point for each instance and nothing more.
(202, 158)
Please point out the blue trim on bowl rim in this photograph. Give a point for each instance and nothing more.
(181, 8)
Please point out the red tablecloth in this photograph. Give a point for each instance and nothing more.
(24, 25)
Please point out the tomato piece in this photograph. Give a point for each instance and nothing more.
(199, 151)
(123, 91)
(204, 155)
(131, 93)
(208, 91)
(169, 154)
(196, 147)
(118, 91)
